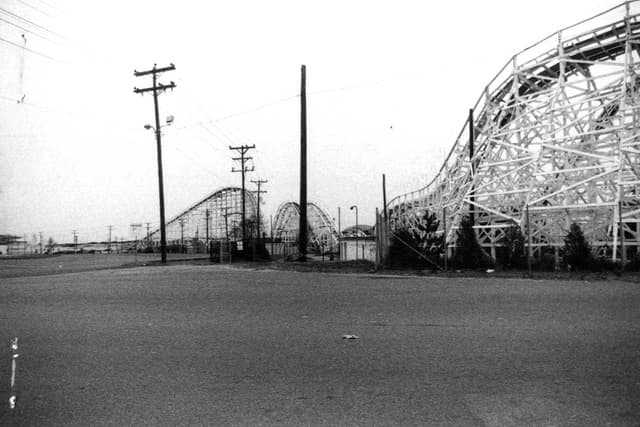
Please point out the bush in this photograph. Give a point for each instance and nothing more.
(545, 262)
(468, 253)
(513, 241)
(634, 263)
(577, 252)
(604, 263)
(411, 245)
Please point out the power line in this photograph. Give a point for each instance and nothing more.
(33, 51)
(217, 131)
(203, 123)
(256, 108)
(26, 30)
(56, 110)
(33, 24)
(34, 8)
(260, 164)
(239, 113)
(376, 83)
(201, 160)
(50, 6)
(209, 131)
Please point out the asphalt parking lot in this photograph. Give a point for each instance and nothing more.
(213, 345)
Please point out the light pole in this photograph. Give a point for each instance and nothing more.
(134, 231)
(323, 238)
(356, 208)
(163, 234)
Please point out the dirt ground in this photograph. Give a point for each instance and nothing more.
(216, 345)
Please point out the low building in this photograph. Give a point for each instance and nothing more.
(358, 248)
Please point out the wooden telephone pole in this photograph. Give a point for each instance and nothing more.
(156, 89)
(243, 149)
(302, 231)
(259, 183)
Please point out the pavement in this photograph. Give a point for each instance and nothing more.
(214, 345)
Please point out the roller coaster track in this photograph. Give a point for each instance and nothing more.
(192, 222)
(322, 230)
(555, 136)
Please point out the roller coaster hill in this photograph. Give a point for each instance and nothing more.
(217, 218)
(552, 140)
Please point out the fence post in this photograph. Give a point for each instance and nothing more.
(378, 244)
(444, 237)
(623, 253)
(528, 240)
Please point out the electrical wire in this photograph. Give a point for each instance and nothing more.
(35, 52)
(33, 24)
(57, 110)
(33, 8)
(31, 32)
(50, 6)
(376, 83)
(243, 112)
(197, 159)
(233, 138)
(216, 137)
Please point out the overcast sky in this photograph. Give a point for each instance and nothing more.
(389, 83)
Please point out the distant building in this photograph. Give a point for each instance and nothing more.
(362, 230)
(358, 243)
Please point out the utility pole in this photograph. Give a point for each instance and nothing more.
(271, 232)
(623, 253)
(529, 249)
(356, 208)
(181, 221)
(156, 89)
(339, 233)
(258, 182)
(226, 230)
(134, 231)
(384, 199)
(148, 234)
(444, 237)
(109, 246)
(302, 232)
(472, 197)
(206, 213)
(243, 149)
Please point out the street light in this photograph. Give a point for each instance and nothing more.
(283, 243)
(356, 208)
(163, 234)
(169, 121)
(323, 237)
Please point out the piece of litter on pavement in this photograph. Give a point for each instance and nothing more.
(350, 337)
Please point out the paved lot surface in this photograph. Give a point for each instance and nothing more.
(208, 345)
(59, 264)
